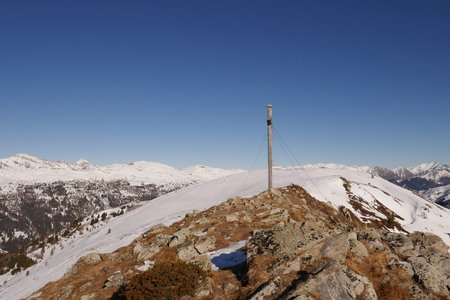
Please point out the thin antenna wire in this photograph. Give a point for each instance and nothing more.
(253, 165)
(277, 134)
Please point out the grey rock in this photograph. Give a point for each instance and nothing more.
(358, 250)
(267, 290)
(144, 251)
(336, 247)
(206, 244)
(92, 258)
(65, 292)
(429, 276)
(187, 251)
(376, 245)
(179, 237)
(370, 234)
(401, 243)
(335, 281)
(416, 293)
(114, 280)
(232, 218)
(230, 287)
(90, 296)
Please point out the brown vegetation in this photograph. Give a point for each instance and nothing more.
(166, 281)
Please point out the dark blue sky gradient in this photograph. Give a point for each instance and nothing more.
(186, 82)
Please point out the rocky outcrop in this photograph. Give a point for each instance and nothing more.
(279, 245)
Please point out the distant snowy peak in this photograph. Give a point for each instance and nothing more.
(425, 168)
(429, 180)
(403, 173)
(23, 168)
(82, 164)
(25, 161)
(432, 171)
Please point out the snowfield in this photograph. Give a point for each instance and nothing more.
(324, 183)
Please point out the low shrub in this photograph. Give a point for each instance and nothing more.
(166, 280)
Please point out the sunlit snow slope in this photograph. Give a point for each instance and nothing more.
(325, 183)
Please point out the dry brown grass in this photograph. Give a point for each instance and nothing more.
(376, 269)
(166, 281)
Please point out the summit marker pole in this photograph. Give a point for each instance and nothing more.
(269, 146)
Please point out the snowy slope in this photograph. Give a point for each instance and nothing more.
(23, 168)
(325, 184)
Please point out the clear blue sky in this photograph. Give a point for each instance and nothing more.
(186, 82)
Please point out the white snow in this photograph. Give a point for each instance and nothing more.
(23, 168)
(228, 257)
(424, 168)
(323, 183)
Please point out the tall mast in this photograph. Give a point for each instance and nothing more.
(269, 145)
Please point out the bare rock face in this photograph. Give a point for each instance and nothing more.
(334, 281)
(426, 258)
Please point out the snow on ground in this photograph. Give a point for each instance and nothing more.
(323, 183)
(228, 257)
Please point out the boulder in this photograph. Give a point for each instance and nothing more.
(187, 251)
(205, 245)
(92, 258)
(179, 237)
(232, 218)
(144, 251)
(115, 280)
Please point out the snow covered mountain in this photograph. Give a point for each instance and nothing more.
(372, 200)
(40, 197)
(27, 169)
(429, 180)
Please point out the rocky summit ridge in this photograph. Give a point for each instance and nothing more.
(283, 244)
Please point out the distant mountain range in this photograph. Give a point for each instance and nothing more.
(26, 169)
(429, 180)
(39, 197)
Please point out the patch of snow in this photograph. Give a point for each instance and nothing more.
(19, 233)
(228, 257)
(147, 265)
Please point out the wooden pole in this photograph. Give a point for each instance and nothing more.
(269, 145)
